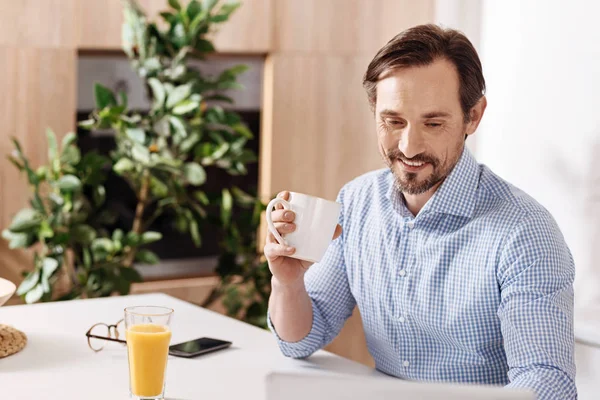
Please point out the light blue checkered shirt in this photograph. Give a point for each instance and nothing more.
(477, 288)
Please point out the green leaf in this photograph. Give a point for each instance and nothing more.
(104, 96)
(228, 8)
(26, 219)
(83, 233)
(123, 98)
(123, 165)
(242, 197)
(189, 142)
(202, 198)
(132, 239)
(195, 233)
(233, 72)
(136, 134)
(150, 236)
(175, 4)
(102, 245)
(168, 17)
(87, 124)
(52, 146)
(219, 18)
(68, 140)
(158, 188)
(134, 119)
(220, 151)
(17, 240)
(71, 155)
(49, 265)
(210, 4)
(161, 127)
(220, 97)
(99, 195)
(32, 279)
(68, 183)
(204, 46)
(178, 125)
(147, 257)
(34, 294)
(194, 173)
(158, 92)
(117, 235)
(243, 130)
(140, 153)
(226, 205)
(193, 9)
(179, 94)
(185, 107)
(87, 258)
(45, 231)
(131, 274)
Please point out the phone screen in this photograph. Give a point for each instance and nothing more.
(199, 346)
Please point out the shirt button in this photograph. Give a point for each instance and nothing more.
(406, 363)
(411, 224)
(402, 272)
(401, 319)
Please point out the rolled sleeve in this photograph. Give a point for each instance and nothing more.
(309, 344)
(536, 312)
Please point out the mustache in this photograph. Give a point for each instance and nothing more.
(396, 154)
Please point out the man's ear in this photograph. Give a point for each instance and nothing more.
(475, 115)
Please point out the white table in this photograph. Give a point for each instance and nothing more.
(57, 363)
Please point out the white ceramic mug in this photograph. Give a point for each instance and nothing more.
(315, 221)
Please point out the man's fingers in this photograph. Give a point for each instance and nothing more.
(274, 250)
(283, 216)
(284, 227)
(285, 195)
(338, 232)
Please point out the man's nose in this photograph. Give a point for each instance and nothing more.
(411, 142)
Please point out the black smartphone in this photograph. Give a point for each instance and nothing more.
(198, 347)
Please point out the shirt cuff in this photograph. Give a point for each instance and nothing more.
(312, 342)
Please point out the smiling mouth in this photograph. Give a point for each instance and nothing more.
(413, 166)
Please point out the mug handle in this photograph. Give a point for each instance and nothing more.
(270, 223)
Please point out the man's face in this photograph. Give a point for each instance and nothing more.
(420, 124)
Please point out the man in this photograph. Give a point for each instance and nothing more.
(459, 276)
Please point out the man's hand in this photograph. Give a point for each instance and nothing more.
(287, 271)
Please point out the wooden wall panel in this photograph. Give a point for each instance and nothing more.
(319, 131)
(38, 86)
(344, 26)
(248, 31)
(39, 23)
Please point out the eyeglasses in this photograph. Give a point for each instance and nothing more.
(101, 332)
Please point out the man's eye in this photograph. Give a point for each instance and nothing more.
(433, 125)
(393, 122)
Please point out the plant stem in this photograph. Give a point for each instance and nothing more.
(139, 214)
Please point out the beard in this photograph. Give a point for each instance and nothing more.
(414, 183)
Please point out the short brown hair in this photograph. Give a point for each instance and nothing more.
(422, 45)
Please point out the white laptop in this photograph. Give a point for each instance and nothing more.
(302, 386)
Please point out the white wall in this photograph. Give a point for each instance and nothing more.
(541, 131)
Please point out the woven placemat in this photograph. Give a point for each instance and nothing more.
(11, 340)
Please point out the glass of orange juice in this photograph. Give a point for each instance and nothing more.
(148, 333)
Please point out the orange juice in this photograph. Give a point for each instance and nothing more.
(148, 348)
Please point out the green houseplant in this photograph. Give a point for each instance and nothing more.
(162, 154)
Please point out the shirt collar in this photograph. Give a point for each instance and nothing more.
(456, 195)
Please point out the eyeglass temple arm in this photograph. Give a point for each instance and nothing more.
(105, 338)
